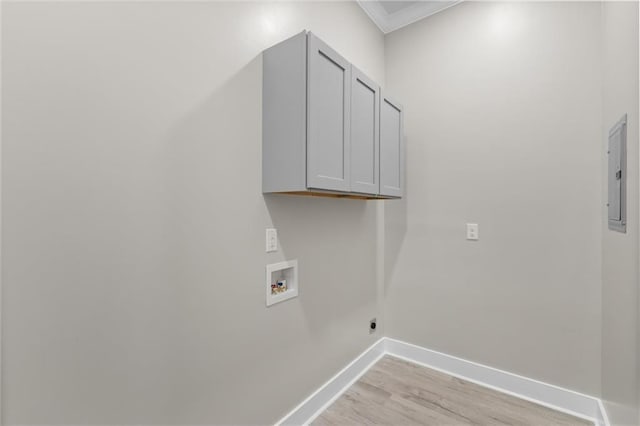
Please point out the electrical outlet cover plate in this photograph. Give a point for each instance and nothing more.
(272, 240)
(472, 231)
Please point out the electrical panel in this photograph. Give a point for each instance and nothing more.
(617, 176)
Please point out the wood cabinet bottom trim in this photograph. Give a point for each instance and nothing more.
(336, 195)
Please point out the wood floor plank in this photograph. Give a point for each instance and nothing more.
(397, 392)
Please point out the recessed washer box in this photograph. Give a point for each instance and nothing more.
(278, 272)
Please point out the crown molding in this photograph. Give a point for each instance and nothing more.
(388, 22)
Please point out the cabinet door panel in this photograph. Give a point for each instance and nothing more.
(328, 103)
(391, 148)
(365, 141)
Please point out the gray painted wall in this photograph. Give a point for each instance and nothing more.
(133, 252)
(503, 123)
(133, 285)
(620, 251)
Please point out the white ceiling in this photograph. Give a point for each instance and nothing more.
(394, 6)
(393, 14)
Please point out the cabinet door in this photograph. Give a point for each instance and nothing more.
(391, 148)
(328, 101)
(365, 128)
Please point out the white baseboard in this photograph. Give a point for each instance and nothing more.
(318, 401)
(551, 396)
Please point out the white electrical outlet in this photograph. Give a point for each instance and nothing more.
(272, 240)
(472, 231)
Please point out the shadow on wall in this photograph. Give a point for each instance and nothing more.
(395, 228)
(218, 217)
(213, 174)
(334, 242)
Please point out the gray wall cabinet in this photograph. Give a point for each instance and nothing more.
(326, 129)
(365, 134)
(328, 118)
(391, 148)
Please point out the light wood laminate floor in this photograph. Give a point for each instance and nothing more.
(396, 392)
